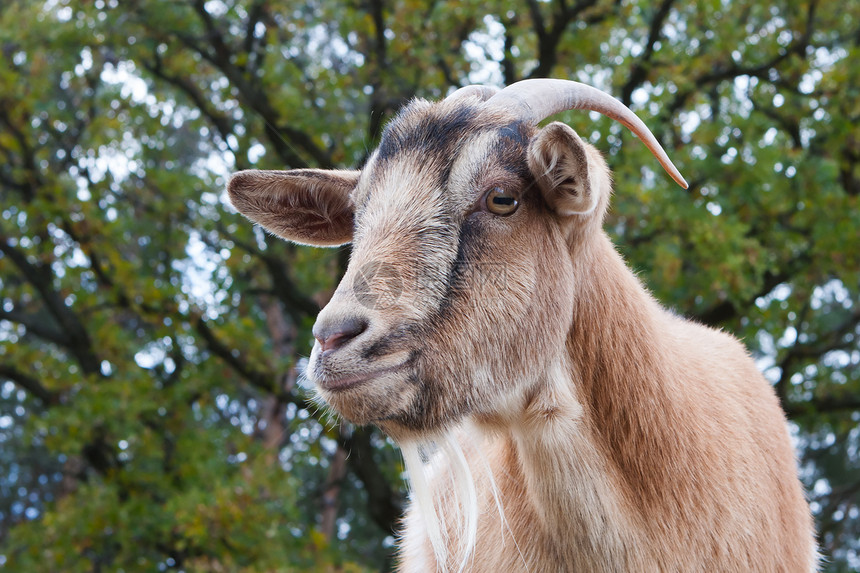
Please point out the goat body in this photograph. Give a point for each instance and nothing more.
(652, 444)
(577, 424)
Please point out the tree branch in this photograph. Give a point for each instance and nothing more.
(724, 72)
(267, 382)
(297, 305)
(40, 277)
(253, 46)
(640, 69)
(30, 384)
(222, 123)
(834, 339)
(27, 153)
(824, 405)
(257, 378)
(285, 140)
(726, 310)
(537, 18)
(509, 72)
(331, 492)
(549, 38)
(278, 134)
(35, 325)
(384, 504)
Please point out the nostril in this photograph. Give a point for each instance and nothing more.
(332, 336)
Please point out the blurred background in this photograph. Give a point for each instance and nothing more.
(151, 413)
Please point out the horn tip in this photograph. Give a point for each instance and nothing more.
(673, 172)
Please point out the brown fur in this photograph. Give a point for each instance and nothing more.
(621, 437)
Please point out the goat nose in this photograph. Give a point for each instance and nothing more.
(333, 334)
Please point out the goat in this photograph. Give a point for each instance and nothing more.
(551, 414)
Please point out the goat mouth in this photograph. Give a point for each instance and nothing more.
(342, 383)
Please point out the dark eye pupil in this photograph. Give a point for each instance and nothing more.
(501, 202)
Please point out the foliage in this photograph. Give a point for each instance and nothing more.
(151, 415)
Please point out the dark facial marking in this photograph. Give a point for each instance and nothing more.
(434, 134)
(391, 342)
(516, 132)
(510, 150)
(438, 137)
(423, 415)
(470, 235)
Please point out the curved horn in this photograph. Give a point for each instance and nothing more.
(535, 100)
(482, 92)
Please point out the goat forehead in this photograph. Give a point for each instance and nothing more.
(407, 193)
(439, 160)
(434, 130)
(437, 128)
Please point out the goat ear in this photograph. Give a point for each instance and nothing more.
(307, 206)
(559, 161)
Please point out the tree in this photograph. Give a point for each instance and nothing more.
(151, 409)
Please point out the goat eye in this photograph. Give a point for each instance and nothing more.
(501, 202)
